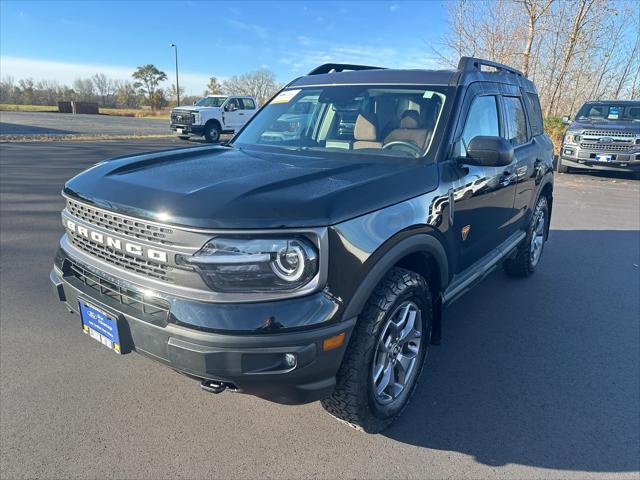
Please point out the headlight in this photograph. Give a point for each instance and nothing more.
(229, 264)
(572, 137)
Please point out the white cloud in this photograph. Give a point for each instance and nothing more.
(302, 60)
(257, 30)
(393, 8)
(66, 73)
(305, 41)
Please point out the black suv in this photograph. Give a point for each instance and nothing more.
(605, 135)
(312, 256)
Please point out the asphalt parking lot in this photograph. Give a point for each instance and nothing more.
(536, 378)
(51, 124)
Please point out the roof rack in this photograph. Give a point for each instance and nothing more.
(340, 67)
(468, 64)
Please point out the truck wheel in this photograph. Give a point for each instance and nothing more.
(562, 168)
(528, 255)
(212, 132)
(386, 353)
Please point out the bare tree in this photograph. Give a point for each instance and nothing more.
(213, 87)
(534, 9)
(260, 84)
(104, 86)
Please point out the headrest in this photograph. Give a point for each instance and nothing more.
(365, 128)
(410, 119)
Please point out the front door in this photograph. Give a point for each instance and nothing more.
(232, 117)
(483, 196)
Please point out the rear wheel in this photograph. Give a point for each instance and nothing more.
(528, 255)
(212, 132)
(385, 356)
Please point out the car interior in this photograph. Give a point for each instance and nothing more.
(371, 120)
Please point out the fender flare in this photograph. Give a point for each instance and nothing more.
(416, 243)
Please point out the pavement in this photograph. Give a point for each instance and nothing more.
(536, 378)
(51, 124)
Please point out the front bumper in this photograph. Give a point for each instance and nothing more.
(248, 362)
(574, 156)
(188, 129)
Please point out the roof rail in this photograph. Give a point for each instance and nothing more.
(467, 64)
(339, 67)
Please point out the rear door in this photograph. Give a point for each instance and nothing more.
(247, 109)
(528, 155)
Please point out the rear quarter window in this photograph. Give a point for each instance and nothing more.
(535, 114)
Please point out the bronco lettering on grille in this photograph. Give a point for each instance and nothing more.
(117, 244)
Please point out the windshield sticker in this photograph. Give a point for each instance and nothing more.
(614, 113)
(286, 96)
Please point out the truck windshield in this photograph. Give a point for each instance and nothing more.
(210, 102)
(609, 112)
(398, 121)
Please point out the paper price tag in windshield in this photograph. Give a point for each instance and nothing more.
(286, 96)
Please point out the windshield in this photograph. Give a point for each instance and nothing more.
(609, 112)
(210, 102)
(398, 121)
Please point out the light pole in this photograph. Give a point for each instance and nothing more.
(175, 47)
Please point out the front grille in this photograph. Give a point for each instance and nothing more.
(181, 117)
(146, 305)
(609, 133)
(122, 259)
(610, 147)
(122, 225)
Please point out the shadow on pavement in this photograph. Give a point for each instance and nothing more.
(17, 129)
(542, 371)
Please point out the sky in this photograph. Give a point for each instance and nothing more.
(65, 40)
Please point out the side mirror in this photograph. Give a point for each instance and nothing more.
(566, 120)
(194, 102)
(488, 152)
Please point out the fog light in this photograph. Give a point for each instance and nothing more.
(290, 360)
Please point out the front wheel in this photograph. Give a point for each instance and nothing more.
(385, 356)
(212, 132)
(528, 255)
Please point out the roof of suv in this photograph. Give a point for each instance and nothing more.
(469, 70)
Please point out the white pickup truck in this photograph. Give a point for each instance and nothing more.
(213, 115)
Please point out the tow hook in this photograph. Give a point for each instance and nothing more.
(213, 386)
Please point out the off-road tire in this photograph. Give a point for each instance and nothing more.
(212, 132)
(520, 265)
(353, 400)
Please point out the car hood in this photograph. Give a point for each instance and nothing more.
(633, 127)
(194, 108)
(223, 187)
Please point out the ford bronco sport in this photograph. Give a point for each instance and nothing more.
(315, 262)
(605, 135)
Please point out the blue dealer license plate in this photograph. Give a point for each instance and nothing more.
(603, 158)
(100, 326)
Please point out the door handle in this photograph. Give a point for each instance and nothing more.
(241, 113)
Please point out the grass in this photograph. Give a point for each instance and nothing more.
(8, 107)
(137, 113)
(119, 112)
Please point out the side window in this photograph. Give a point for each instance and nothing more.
(482, 119)
(535, 114)
(516, 121)
(248, 104)
(233, 102)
